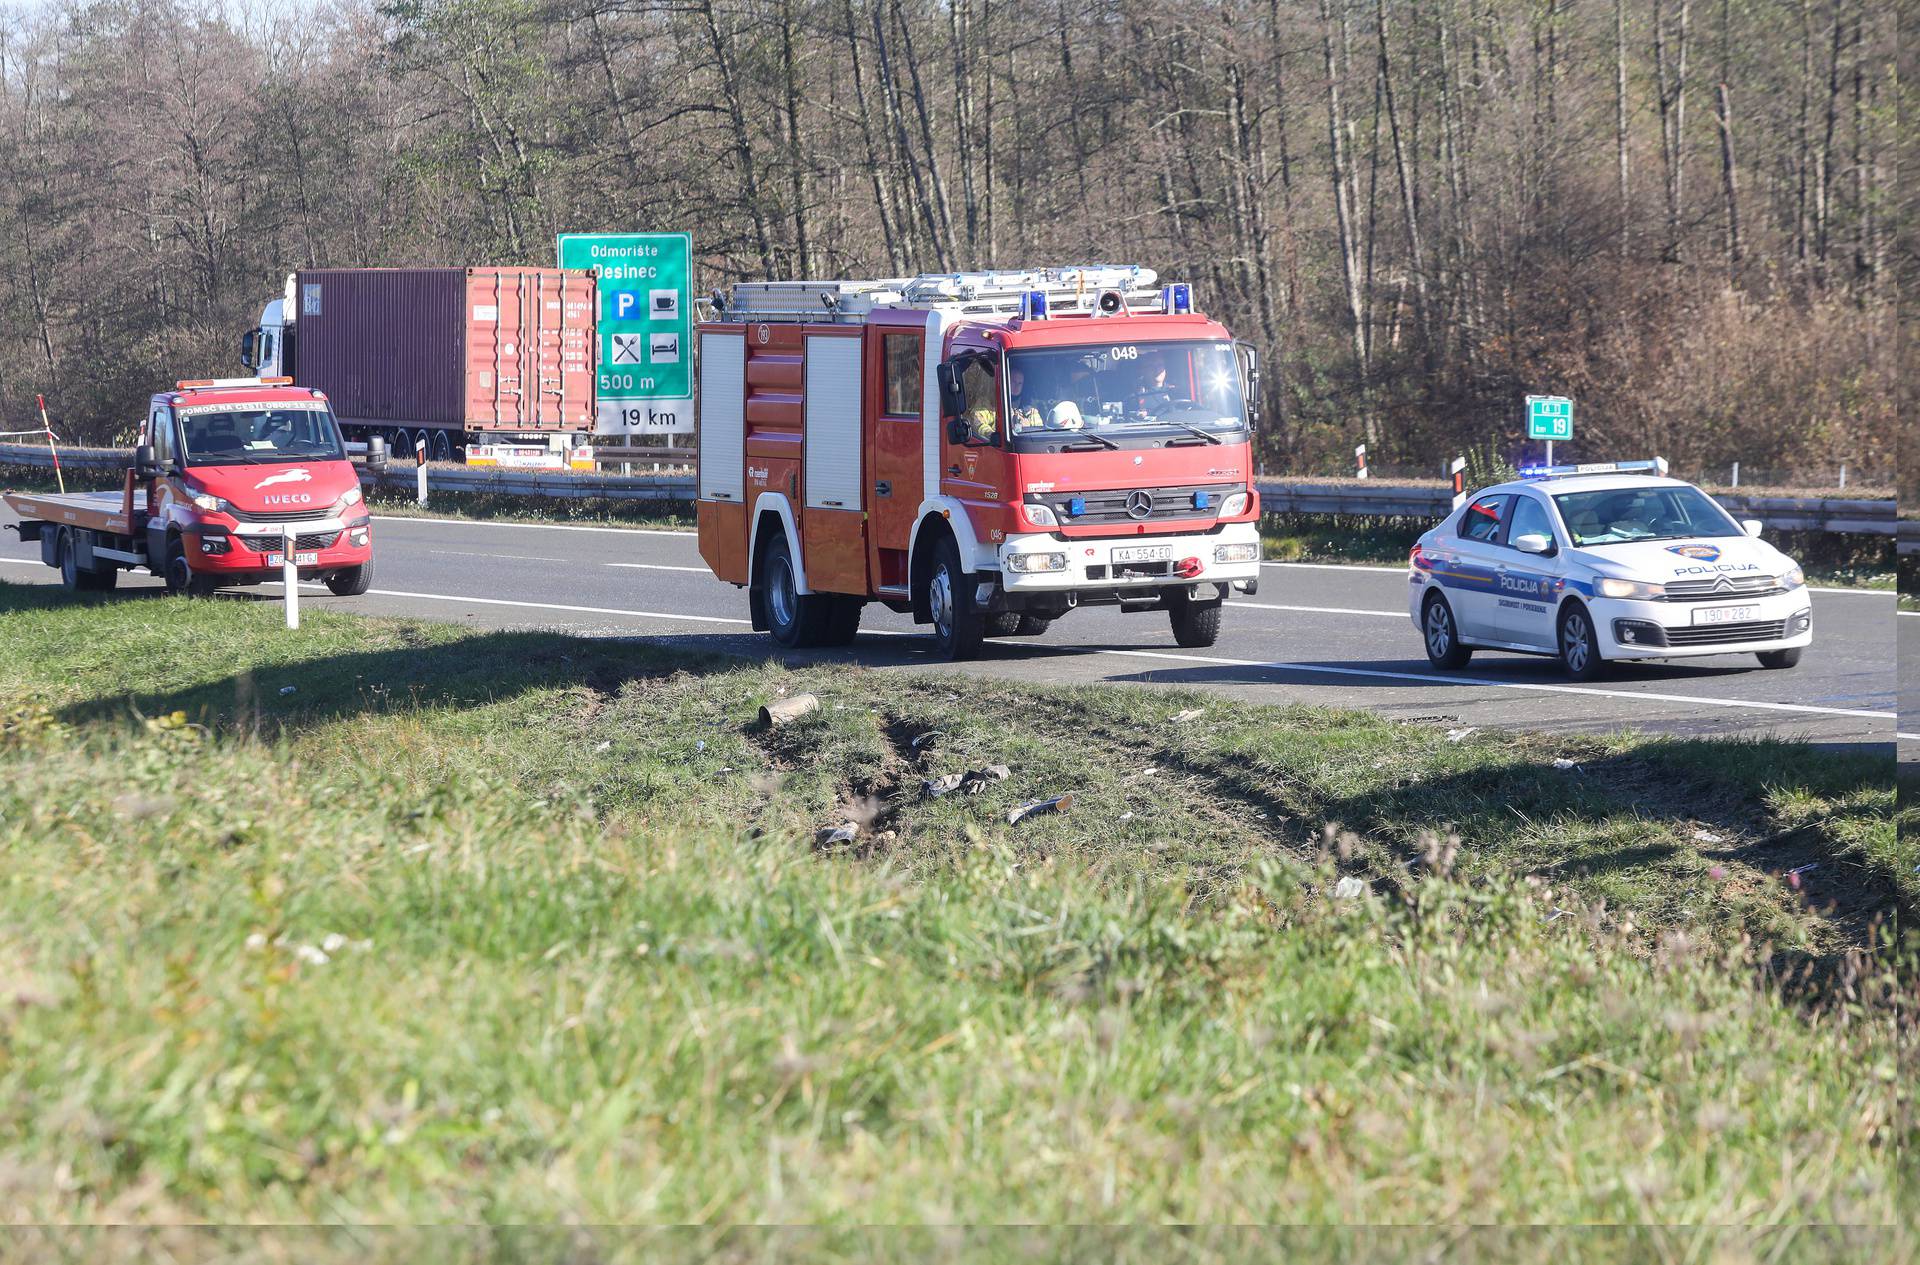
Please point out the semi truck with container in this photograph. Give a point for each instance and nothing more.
(987, 451)
(228, 472)
(482, 364)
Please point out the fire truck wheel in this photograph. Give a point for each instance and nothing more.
(843, 621)
(794, 618)
(957, 625)
(1032, 626)
(1195, 623)
(1004, 624)
(352, 581)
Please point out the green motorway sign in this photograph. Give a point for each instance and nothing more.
(646, 328)
(1549, 417)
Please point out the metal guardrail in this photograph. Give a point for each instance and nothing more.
(1371, 499)
(1909, 536)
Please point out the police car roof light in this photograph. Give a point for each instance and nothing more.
(1657, 465)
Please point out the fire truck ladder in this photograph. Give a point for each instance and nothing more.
(1068, 290)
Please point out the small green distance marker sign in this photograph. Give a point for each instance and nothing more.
(645, 328)
(1549, 417)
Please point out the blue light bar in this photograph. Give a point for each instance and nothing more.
(1033, 305)
(1657, 466)
(1177, 299)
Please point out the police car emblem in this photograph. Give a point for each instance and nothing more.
(1706, 553)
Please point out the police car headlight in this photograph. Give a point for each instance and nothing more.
(1031, 563)
(1233, 505)
(1632, 589)
(1041, 516)
(1793, 579)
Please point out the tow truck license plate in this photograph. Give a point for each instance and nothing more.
(299, 559)
(1143, 553)
(1727, 615)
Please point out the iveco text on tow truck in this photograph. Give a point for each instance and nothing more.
(985, 450)
(225, 471)
(1602, 562)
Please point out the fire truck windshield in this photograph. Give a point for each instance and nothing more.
(1130, 394)
(250, 434)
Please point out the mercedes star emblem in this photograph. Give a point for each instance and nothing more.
(1139, 504)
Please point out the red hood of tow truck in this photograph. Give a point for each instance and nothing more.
(1185, 464)
(287, 487)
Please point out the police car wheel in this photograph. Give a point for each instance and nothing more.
(1579, 647)
(1444, 648)
(1779, 658)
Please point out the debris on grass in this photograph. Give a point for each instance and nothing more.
(828, 836)
(1459, 735)
(1058, 804)
(971, 782)
(785, 710)
(1564, 764)
(1192, 713)
(1349, 888)
(1707, 836)
(926, 738)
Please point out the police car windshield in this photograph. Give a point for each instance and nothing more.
(1170, 390)
(1621, 516)
(257, 434)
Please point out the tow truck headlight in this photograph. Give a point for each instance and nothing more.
(350, 497)
(208, 501)
(1631, 589)
(1233, 505)
(1032, 563)
(1041, 516)
(1236, 553)
(1793, 579)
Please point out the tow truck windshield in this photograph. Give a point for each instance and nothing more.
(258, 434)
(1120, 394)
(1619, 516)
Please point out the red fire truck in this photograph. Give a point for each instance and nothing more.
(985, 450)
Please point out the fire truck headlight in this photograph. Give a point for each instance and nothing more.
(1032, 563)
(1234, 503)
(1236, 553)
(1042, 516)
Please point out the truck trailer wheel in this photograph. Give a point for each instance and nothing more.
(957, 626)
(1195, 624)
(352, 581)
(795, 619)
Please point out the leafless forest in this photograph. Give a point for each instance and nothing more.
(1683, 213)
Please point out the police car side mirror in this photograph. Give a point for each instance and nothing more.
(1751, 526)
(1534, 542)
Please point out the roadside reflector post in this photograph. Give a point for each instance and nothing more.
(420, 466)
(1459, 471)
(290, 574)
(1843, 474)
(1360, 459)
(1736, 474)
(53, 452)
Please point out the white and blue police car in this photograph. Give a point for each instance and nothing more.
(1598, 563)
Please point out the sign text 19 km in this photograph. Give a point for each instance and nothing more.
(646, 328)
(1549, 417)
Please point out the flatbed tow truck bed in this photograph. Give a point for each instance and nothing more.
(96, 511)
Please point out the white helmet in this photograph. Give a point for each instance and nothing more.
(1066, 416)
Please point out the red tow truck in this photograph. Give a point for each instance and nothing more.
(985, 450)
(225, 471)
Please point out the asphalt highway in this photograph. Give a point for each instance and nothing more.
(1333, 636)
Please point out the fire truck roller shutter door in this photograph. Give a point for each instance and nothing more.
(833, 531)
(722, 421)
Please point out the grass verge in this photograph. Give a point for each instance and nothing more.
(394, 922)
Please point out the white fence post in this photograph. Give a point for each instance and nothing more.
(290, 574)
(420, 466)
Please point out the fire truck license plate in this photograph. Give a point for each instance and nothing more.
(1143, 553)
(1727, 615)
(299, 559)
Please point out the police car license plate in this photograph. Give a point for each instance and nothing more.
(1143, 553)
(1727, 615)
(299, 559)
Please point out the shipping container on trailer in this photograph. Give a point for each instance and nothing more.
(454, 356)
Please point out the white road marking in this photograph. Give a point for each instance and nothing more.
(1315, 610)
(497, 557)
(1898, 734)
(1854, 592)
(1334, 566)
(598, 610)
(656, 566)
(475, 522)
(1277, 666)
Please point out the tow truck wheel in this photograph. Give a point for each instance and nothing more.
(1442, 635)
(76, 578)
(352, 581)
(957, 626)
(794, 618)
(1779, 658)
(1579, 648)
(1195, 624)
(181, 580)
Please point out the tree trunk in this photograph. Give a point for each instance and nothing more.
(876, 169)
(796, 158)
(1620, 120)
(1343, 204)
(1671, 69)
(946, 251)
(742, 141)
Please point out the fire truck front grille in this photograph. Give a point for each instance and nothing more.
(1136, 505)
(272, 544)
